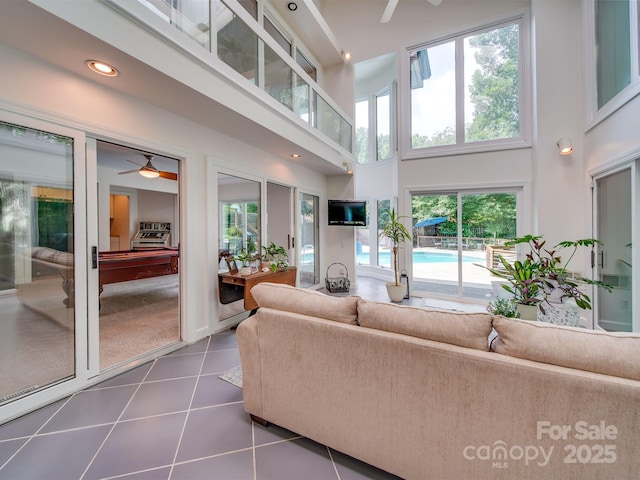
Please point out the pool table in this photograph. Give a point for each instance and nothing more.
(124, 265)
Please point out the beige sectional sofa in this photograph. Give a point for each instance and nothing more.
(419, 393)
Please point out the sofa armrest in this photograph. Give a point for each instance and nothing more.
(247, 337)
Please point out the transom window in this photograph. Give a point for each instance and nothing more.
(468, 90)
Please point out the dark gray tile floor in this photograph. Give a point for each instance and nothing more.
(171, 418)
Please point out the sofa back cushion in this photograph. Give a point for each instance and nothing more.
(463, 329)
(616, 354)
(306, 302)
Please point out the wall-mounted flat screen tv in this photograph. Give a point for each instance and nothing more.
(352, 213)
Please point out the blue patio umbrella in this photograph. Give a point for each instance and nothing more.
(431, 221)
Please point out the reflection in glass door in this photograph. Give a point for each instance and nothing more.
(37, 327)
(449, 255)
(138, 268)
(309, 264)
(614, 226)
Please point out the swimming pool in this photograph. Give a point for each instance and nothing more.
(420, 257)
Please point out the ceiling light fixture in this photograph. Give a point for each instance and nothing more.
(102, 68)
(348, 167)
(345, 55)
(295, 155)
(149, 173)
(564, 144)
(292, 6)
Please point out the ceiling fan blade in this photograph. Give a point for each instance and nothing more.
(168, 175)
(388, 11)
(435, 3)
(135, 163)
(129, 171)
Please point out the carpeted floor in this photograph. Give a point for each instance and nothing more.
(37, 330)
(137, 317)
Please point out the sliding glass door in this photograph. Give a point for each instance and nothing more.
(309, 265)
(457, 235)
(614, 227)
(37, 294)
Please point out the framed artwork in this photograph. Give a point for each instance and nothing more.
(231, 263)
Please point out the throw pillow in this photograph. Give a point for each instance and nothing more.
(464, 329)
(306, 302)
(616, 354)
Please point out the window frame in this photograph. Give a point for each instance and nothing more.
(521, 141)
(385, 92)
(593, 115)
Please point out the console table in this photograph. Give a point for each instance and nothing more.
(232, 287)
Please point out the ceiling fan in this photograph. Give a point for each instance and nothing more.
(149, 171)
(391, 6)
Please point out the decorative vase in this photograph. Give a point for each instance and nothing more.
(396, 292)
(527, 312)
(244, 271)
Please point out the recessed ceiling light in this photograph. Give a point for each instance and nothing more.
(102, 68)
(292, 6)
(295, 155)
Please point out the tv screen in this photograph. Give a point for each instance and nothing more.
(348, 212)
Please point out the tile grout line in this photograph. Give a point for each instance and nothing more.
(35, 434)
(117, 421)
(186, 418)
(333, 462)
(253, 450)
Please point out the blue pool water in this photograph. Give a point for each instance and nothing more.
(420, 257)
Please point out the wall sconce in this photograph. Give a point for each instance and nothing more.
(564, 144)
(348, 167)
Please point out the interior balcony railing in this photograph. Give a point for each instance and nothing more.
(226, 29)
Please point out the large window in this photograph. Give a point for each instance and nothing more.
(456, 235)
(378, 142)
(383, 125)
(362, 131)
(613, 44)
(468, 89)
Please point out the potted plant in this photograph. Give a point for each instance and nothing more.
(542, 278)
(395, 231)
(503, 306)
(245, 257)
(276, 256)
(524, 285)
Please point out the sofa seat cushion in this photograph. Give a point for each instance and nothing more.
(616, 354)
(463, 329)
(306, 302)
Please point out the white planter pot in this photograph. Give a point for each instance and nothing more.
(396, 292)
(527, 312)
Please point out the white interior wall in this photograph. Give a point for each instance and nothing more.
(339, 242)
(558, 180)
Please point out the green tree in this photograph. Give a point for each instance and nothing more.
(495, 86)
(362, 145)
